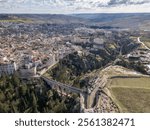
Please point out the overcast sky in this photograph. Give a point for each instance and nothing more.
(74, 6)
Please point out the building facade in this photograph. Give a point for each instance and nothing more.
(8, 69)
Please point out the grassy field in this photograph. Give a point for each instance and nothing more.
(147, 44)
(131, 94)
(143, 82)
(132, 99)
(16, 21)
(146, 41)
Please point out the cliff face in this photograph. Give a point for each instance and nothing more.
(74, 66)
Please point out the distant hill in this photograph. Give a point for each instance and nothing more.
(119, 20)
(43, 18)
(127, 20)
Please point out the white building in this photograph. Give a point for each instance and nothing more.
(9, 68)
(27, 73)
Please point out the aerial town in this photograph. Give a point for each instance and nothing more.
(29, 54)
(75, 65)
(32, 54)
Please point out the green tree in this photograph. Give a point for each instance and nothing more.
(2, 96)
(15, 80)
(34, 103)
(23, 89)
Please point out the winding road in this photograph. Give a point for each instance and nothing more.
(143, 43)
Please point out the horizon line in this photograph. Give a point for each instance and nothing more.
(82, 13)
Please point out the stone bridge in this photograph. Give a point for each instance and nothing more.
(64, 87)
(86, 99)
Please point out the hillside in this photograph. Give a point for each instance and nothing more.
(43, 18)
(33, 96)
(134, 21)
(128, 89)
(124, 21)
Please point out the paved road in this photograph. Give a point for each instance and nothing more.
(102, 83)
(143, 44)
(45, 70)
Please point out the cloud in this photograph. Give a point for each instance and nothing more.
(70, 6)
(127, 2)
